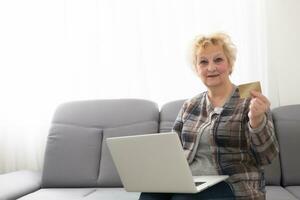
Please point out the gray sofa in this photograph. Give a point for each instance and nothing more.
(78, 165)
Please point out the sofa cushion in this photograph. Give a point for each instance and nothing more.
(278, 193)
(168, 115)
(106, 113)
(72, 156)
(81, 194)
(18, 183)
(108, 175)
(59, 194)
(273, 172)
(74, 147)
(273, 193)
(287, 126)
(295, 190)
(112, 194)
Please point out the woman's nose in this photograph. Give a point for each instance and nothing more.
(211, 67)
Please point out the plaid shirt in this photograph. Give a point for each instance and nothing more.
(237, 150)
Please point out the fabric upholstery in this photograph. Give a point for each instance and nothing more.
(168, 114)
(19, 183)
(72, 156)
(278, 193)
(82, 194)
(287, 125)
(106, 113)
(273, 172)
(76, 153)
(295, 190)
(112, 194)
(59, 194)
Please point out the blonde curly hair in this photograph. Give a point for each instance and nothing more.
(218, 38)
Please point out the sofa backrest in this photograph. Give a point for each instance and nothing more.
(76, 151)
(287, 125)
(168, 115)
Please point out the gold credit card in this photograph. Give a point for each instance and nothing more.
(245, 89)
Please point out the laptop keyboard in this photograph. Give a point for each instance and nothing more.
(198, 183)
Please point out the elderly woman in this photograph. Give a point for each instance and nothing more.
(221, 133)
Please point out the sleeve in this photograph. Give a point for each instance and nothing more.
(263, 141)
(178, 124)
(177, 127)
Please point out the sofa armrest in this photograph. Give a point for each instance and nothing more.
(19, 183)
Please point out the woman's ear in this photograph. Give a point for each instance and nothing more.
(230, 70)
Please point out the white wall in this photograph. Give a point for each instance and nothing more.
(283, 37)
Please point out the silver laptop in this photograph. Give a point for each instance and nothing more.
(156, 163)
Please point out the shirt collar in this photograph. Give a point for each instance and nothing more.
(227, 104)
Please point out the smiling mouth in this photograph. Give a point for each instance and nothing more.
(212, 76)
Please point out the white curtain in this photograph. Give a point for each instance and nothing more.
(57, 51)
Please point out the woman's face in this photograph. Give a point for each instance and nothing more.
(213, 66)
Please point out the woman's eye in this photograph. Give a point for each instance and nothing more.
(218, 60)
(203, 62)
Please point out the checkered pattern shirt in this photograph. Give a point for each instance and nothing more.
(237, 150)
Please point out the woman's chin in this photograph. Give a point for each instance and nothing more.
(213, 83)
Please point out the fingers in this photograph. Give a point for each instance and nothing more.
(261, 97)
(254, 107)
(257, 107)
(258, 102)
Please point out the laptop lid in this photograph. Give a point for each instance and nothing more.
(152, 163)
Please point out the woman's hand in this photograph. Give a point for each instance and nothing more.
(258, 106)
